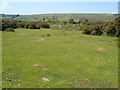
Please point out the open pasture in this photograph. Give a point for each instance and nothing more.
(48, 58)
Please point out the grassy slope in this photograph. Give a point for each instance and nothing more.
(71, 59)
(67, 16)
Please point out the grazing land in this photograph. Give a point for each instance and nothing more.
(47, 58)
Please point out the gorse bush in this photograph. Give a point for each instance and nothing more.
(87, 29)
(97, 30)
(93, 28)
(23, 24)
(113, 27)
(9, 30)
(45, 26)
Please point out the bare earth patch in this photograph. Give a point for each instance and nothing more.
(37, 65)
(40, 40)
(100, 49)
(45, 69)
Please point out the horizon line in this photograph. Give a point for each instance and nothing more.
(64, 13)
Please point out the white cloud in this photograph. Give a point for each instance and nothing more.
(4, 6)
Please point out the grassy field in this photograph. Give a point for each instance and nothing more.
(58, 59)
(0, 59)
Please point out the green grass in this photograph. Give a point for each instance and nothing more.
(70, 57)
(0, 59)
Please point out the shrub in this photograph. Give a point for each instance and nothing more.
(64, 22)
(71, 20)
(87, 29)
(45, 26)
(10, 30)
(4, 26)
(32, 26)
(96, 30)
(93, 32)
(48, 34)
(113, 28)
(23, 24)
(93, 28)
(37, 26)
(42, 35)
(65, 34)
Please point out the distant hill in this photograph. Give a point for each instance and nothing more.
(62, 17)
(8, 16)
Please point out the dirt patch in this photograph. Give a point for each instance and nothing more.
(37, 65)
(100, 49)
(45, 69)
(40, 40)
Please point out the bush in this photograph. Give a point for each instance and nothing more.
(64, 22)
(87, 29)
(93, 28)
(4, 26)
(9, 30)
(113, 28)
(48, 34)
(45, 26)
(23, 24)
(42, 35)
(93, 32)
(32, 26)
(97, 30)
(71, 20)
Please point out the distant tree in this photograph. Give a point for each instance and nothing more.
(86, 20)
(79, 21)
(17, 15)
(54, 18)
(71, 20)
(43, 19)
